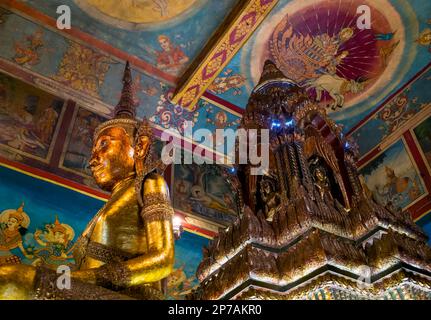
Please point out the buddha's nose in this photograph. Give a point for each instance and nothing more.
(93, 162)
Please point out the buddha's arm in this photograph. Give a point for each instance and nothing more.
(17, 282)
(158, 262)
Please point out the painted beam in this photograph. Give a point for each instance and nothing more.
(226, 42)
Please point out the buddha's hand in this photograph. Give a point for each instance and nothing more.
(17, 282)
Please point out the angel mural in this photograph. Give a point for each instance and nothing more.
(171, 58)
(179, 285)
(314, 60)
(28, 53)
(13, 226)
(56, 245)
(228, 81)
(398, 191)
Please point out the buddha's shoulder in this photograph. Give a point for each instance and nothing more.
(155, 183)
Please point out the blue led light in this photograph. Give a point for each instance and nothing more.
(232, 170)
(275, 124)
(290, 123)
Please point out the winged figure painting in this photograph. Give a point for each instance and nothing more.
(313, 60)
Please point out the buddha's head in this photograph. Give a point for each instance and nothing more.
(118, 151)
(120, 145)
(320, 174)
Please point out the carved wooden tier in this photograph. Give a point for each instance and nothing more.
(310, 229)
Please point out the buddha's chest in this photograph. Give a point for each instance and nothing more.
(117, 234)
(121, 229)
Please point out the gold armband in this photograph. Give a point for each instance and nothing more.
(156, 207)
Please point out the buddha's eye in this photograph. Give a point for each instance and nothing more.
(103, 143)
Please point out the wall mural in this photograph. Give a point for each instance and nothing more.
(423, 135)
(83, 69)
(201, 190)
(83, 74)
(92, 78)
(29, 119)
(393, 178)
(396, 112)
(317, 44)
(167, 34)
(79, 142)
(40, 221)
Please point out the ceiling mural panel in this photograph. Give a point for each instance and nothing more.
(393, 178)
(86, 75)
(318, 44)
(141, 13)
(183, 123)
(29, 120)
(165, 34)
(403, 107)
(204, 192)
(425, 224)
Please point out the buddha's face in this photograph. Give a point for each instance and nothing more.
(320, 175)
(112, 159)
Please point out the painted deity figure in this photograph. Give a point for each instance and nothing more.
(56, 243)
(29, 53)
(127, 250)
(171, 58)
(397, 191)
(13, 224)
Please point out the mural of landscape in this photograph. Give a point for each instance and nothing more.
(40, 221)
(393, 178)
(28, 118)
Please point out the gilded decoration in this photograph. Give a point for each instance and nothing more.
(83, 69)
(246, 21)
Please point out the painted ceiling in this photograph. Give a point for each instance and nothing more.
(197, 61)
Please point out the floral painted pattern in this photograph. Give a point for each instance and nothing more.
(83, 69)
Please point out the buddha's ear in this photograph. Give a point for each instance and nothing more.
(142, 147)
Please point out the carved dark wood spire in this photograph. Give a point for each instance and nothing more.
(126, 107)
(270, 72)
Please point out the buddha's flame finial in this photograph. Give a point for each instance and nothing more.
(126, 107)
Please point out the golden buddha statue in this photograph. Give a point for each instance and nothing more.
(270, 198)
(127, 250)
(321, 182)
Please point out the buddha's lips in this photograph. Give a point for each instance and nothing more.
(97, 168)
